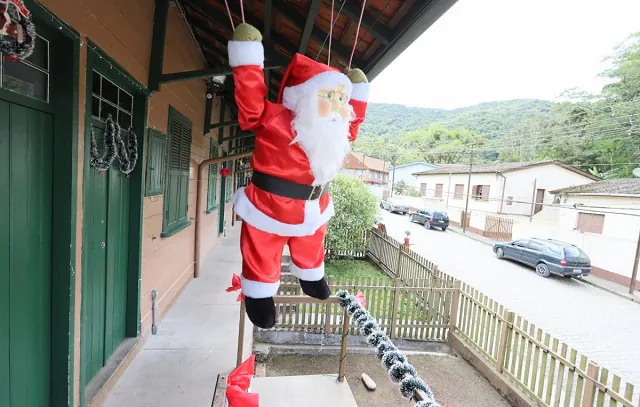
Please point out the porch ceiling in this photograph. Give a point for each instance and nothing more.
(388, 28)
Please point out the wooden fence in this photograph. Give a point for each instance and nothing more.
(419, 301)
(498, 228)
(351, 246)
(411, 309)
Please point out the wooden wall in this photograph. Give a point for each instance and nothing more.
(123, 30)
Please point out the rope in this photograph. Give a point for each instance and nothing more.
(242, 10)
(332, 23)
(331, 32)
(355, 42)
(392, 359)
(226, 3)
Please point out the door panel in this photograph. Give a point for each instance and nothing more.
(26, 169)
(106, 247)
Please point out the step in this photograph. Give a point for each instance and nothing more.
(307, 391)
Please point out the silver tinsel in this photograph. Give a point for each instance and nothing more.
(399, 369)
(103, 163)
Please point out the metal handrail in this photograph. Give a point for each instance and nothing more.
(301, 299)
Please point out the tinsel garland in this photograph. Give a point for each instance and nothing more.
(127, 155)
(392, 359)
(10, 44)
(103, 163)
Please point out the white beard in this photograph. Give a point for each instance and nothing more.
(325, 140)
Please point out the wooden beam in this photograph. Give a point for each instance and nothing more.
(369, 24)
(160, 16)
(205, 73)
(308, 25)
(223, 124)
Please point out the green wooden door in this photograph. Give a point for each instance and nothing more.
(26, 179)
(223, 189)
(106, 251)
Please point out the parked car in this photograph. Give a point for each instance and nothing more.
(394, 205)
(548, 256)
(430, 219)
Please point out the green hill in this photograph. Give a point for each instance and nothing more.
(489, 119)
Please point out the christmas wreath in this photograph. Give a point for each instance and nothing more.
(114, 147)
(17, 31)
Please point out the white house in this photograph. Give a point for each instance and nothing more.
(602, 218)
(506, 190)
(405, 172)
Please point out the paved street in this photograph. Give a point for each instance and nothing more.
(601, 325)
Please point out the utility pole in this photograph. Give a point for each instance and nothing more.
(466, 206)
(394, 158)
(533, 199)
(634, 273)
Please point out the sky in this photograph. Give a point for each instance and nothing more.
(488, 50)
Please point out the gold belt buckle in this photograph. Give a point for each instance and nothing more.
(313, 191)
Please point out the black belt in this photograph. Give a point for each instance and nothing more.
(288, 189)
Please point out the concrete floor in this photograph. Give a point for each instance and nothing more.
(196, 340)
(452, 380)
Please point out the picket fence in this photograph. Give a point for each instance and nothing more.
(419, 301)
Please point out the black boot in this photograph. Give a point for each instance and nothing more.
(261, 311)
(316, 289)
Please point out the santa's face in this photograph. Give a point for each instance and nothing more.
(321, 126)
(333, 101)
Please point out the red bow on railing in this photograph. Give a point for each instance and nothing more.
(225, 172)
(238, 383)
(236, 284)
(360, 298)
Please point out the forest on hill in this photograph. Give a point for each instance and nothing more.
(595, 132)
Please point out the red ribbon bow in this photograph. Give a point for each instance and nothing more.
(236, 284)
(225, 172)
(238, 383)
(361, 299)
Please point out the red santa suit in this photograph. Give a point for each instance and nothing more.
(270, 220)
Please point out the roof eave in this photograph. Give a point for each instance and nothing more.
(430, 15)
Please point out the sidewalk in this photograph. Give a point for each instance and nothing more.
(606, 285)
(196, 340)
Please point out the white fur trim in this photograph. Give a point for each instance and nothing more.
(325, 80)
(307, 274)
(361, 91)
(246, 53)
(313, 218)
(257, 289)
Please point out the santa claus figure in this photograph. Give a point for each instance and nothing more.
(301, 142)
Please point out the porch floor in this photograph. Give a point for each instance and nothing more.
(196, 340)
(308, 391)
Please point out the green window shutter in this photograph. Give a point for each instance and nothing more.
(155, 163)
(229, 187)
(212, 191)
(176, 198)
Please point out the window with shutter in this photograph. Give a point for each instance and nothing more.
(155, 163)
(458, 191)
(212, 188)
(177, 190)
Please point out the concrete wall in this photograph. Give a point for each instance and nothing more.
(123, 30)
(520, 185)
(449, 200)
(612, 253)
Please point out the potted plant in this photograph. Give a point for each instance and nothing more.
(406, 238)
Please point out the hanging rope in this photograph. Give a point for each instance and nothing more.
(242, 10)
(355, 42)
(332, 24)
(226, 3)
(330, 32)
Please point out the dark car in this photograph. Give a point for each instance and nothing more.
(394, 205)
(548, 256)
(430, 219)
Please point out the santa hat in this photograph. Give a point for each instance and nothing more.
(304, 77)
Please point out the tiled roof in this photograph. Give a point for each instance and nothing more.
(357, 161)
(501, 167)
(617, 186)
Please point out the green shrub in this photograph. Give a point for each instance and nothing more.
(356, 210)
